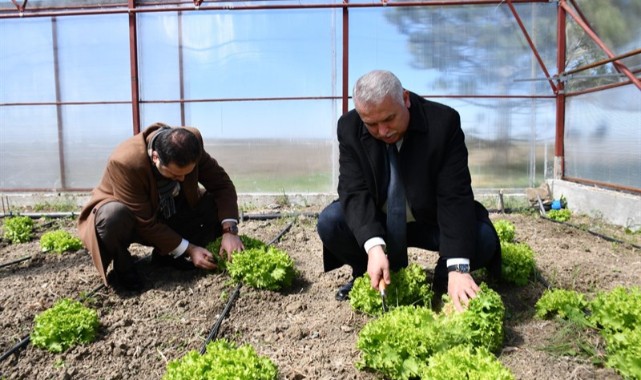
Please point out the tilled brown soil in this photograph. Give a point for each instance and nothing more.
(303, 330)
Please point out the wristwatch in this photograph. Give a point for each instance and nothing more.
(231, 229)
(460, 268)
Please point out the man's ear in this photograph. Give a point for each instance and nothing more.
(406, 98)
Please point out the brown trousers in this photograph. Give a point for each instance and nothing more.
(116, 229)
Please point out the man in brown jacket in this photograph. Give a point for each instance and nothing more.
(150, 194)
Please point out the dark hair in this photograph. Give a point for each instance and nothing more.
(178, 146)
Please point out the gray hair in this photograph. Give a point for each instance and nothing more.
(373, 87)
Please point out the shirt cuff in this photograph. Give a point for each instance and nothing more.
(373, 242)
(229, 220)
(178, 251)
(457, 261)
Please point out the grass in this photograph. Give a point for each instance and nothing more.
(572, 338)
(66, 205)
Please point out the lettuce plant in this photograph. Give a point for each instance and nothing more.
(567, 304)
(505, 229)
(399, 343)
(408, 287)
(222, 360)
(66, 324)
(263, 268)
(248, 242)
(465, 362)
(482, 320)
(59, 241)
(617, 316)
(617, 310)
(518, 263)
(562, 215)
(18, 229)
(624, 352)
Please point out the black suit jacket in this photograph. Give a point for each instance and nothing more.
(434, 168)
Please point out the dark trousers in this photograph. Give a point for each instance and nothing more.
(340, 246)
(116, 229)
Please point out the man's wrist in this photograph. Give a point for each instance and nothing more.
(459, 265)
(373, 242)
(230, 228)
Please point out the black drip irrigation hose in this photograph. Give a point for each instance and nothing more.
(214, 331)
(15, 261)
(604, 237)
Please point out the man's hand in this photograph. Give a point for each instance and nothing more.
(230, 243)
(461, 288)
(377, 266)
(201, 257)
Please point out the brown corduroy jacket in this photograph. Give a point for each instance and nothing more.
(129, 178)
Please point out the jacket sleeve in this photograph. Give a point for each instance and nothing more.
(455, 199)
(356, 184)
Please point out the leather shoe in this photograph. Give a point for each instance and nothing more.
(343, 290)
(180, 263)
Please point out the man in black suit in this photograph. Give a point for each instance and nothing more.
(440, 214)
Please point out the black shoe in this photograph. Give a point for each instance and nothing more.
(180, 263)
(128, 280)
(343, 291)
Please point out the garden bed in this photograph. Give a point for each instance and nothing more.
(302, 329)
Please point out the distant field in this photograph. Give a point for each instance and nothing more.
(277, 165)
(287, 166)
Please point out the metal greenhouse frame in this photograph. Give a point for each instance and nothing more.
(566, 9)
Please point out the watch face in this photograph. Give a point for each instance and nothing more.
(233, 229)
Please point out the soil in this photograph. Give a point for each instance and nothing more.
(303, 329)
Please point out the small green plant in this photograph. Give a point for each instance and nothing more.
(505, 230)
(66, 324)
(567, 304)
(222, 360)
(562, 215)
(617, 310)
(616, 315)
(466, 362)
(59, 241)
(282, 200)
(624, 352)
(18, 229)
(518, 264)
(408, 287)
(482, 320)
(399, 343)
(262, 268)
(248, 242)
